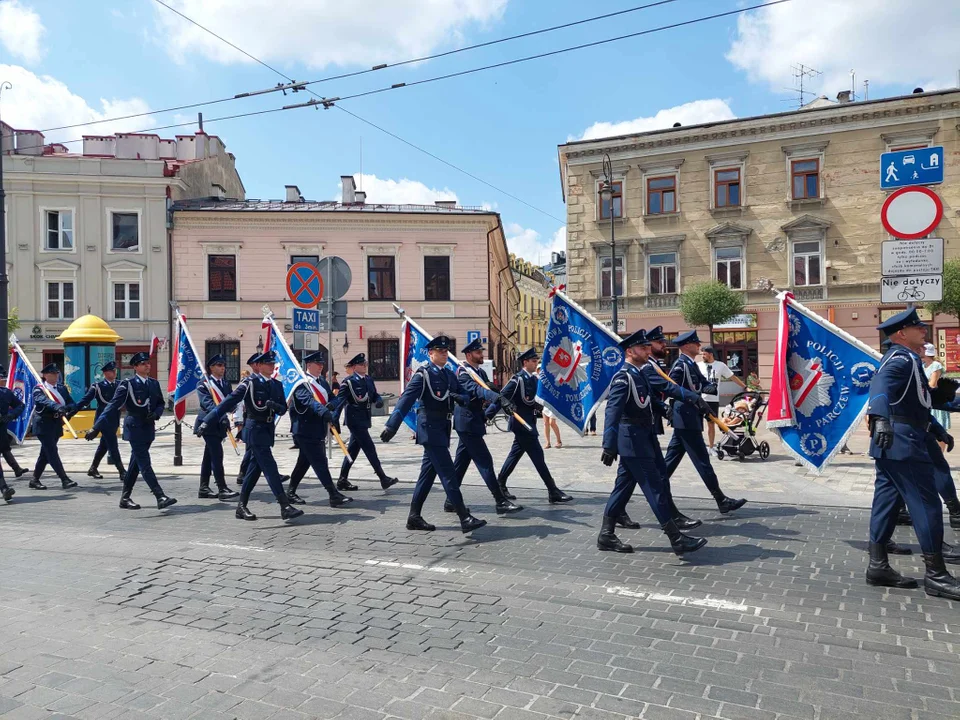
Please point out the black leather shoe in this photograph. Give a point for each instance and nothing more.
(685, 523)
(290, 512)
(937, 581)
(339, 500)
(470, 523)
(506, 493)
(896, 549)
(19, 472)
(126, 503)
(879, 572)
(67, 483)
(344, 484)
(37, 485)
(226, 493)
(8, 493)
(624, 521)
(243, 513)
(951, 553)
(94, 473)
(295, 499)
(284, 479)
(449, 508)
(682, 543)
(388, 482)
(903, 518)
(205, 493)
(953, 507)
(505, 507)
(558, 496)
(163, 502)
(415, 522)
(608, 541)
(239, 480)
(727, 505)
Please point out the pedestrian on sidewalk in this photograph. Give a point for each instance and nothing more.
(934, 371)
(715, 371)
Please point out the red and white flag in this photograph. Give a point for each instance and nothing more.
(154, 344)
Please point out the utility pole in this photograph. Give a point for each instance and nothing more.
(4, 284)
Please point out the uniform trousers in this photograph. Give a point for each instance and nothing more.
(942, 477)
(633, 471)
(526, 442)
(473, 447)
(313, 454)
(261, 460)
(913, 482)
(140, 464)
(49, 453)
(360, 440)
(690, 442)
(437, 461)
(212, 462)
(107, 447)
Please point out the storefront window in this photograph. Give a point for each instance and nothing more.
(738, 349)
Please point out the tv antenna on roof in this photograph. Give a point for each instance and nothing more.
(800, 74)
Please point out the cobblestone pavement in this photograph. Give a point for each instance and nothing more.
(345, 614)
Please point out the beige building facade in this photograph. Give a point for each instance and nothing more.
(532, 308)
(794, 198)
(446, 266)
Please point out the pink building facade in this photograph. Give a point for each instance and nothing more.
(447, 266)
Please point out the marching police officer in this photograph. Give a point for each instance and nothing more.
(264, 400)
(900, 421)
(521, 391)
(5, 442)
(214, 435)
(688, 423)
(629, 432)
(359, 392)
(437, 389)
(142, 398)
(11, 407)
(310, 422)
(103, 393)
(471, 426)
(48, 425)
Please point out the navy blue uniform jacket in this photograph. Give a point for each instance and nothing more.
(359, 393)
(263, 400)
(470, 418)
(208, 404)
(143, 401)
(687, 375)
(47, 414)
(437, 388)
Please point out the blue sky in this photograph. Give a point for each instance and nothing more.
(71, 65)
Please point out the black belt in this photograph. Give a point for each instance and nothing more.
(434, 415)
(904, 420)
(635, 421)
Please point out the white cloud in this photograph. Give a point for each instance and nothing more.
(317, 33)
(885, 41)
(38, 102)
(20, 31)
(691, 113)
(531, 245)
(385, 191)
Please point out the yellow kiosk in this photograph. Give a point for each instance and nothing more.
(88, 344)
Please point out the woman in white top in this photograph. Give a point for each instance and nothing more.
(934, 371)
(549, 421)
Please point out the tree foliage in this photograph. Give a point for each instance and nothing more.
(13, 320)
(950, 305)
(710, 303)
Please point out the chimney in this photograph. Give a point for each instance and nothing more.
(360, 197)
(219, 191)
(293, 193)
(843, 96)
(349, 189)
(446, 203)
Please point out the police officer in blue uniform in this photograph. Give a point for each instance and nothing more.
(310, 423)
(103, 392)
(688, 423)
(521, 391)
(264, 400)
(214, 435)
(358, 393)
(900, 421)
(630, 433)
(11, 407)
(142, 398)
(437, 388)
(471, 425)
(6, 451)
(48, 418)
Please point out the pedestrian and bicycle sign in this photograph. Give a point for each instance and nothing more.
(911, 289)
(304, 285)
(903, 168)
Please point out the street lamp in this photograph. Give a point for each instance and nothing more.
(4, 310)
(606, 198)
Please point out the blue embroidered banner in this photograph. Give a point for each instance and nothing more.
(22, 382)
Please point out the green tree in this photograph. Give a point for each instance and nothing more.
(950, 305)
(710, 303)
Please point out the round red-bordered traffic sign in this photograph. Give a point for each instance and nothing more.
(911, 213)
(304, 285)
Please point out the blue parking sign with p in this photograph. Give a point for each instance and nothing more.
(919, 166)
(472, 335)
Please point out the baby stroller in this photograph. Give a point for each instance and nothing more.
(742, 416)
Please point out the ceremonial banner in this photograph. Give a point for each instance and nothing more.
(186, 372)
(22, 382)
(820, 385)
(580, 358)
(413, 355)
(287, 370)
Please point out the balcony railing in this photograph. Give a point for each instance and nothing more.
(662, 301)
(606, 304)
(810, 293)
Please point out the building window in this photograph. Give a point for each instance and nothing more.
(730, 267)
(436, 277)
(661, 195)
(805, 175)
(807, 262)
(381, 277)
(616, 199)
(222, 278)
(607, 276)
(726, 188)
(60, 301)
(231, 353)
(663, 274)
(126, 232)
(384, 358)
(59, 231)
(126, 301)
(310, 259)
